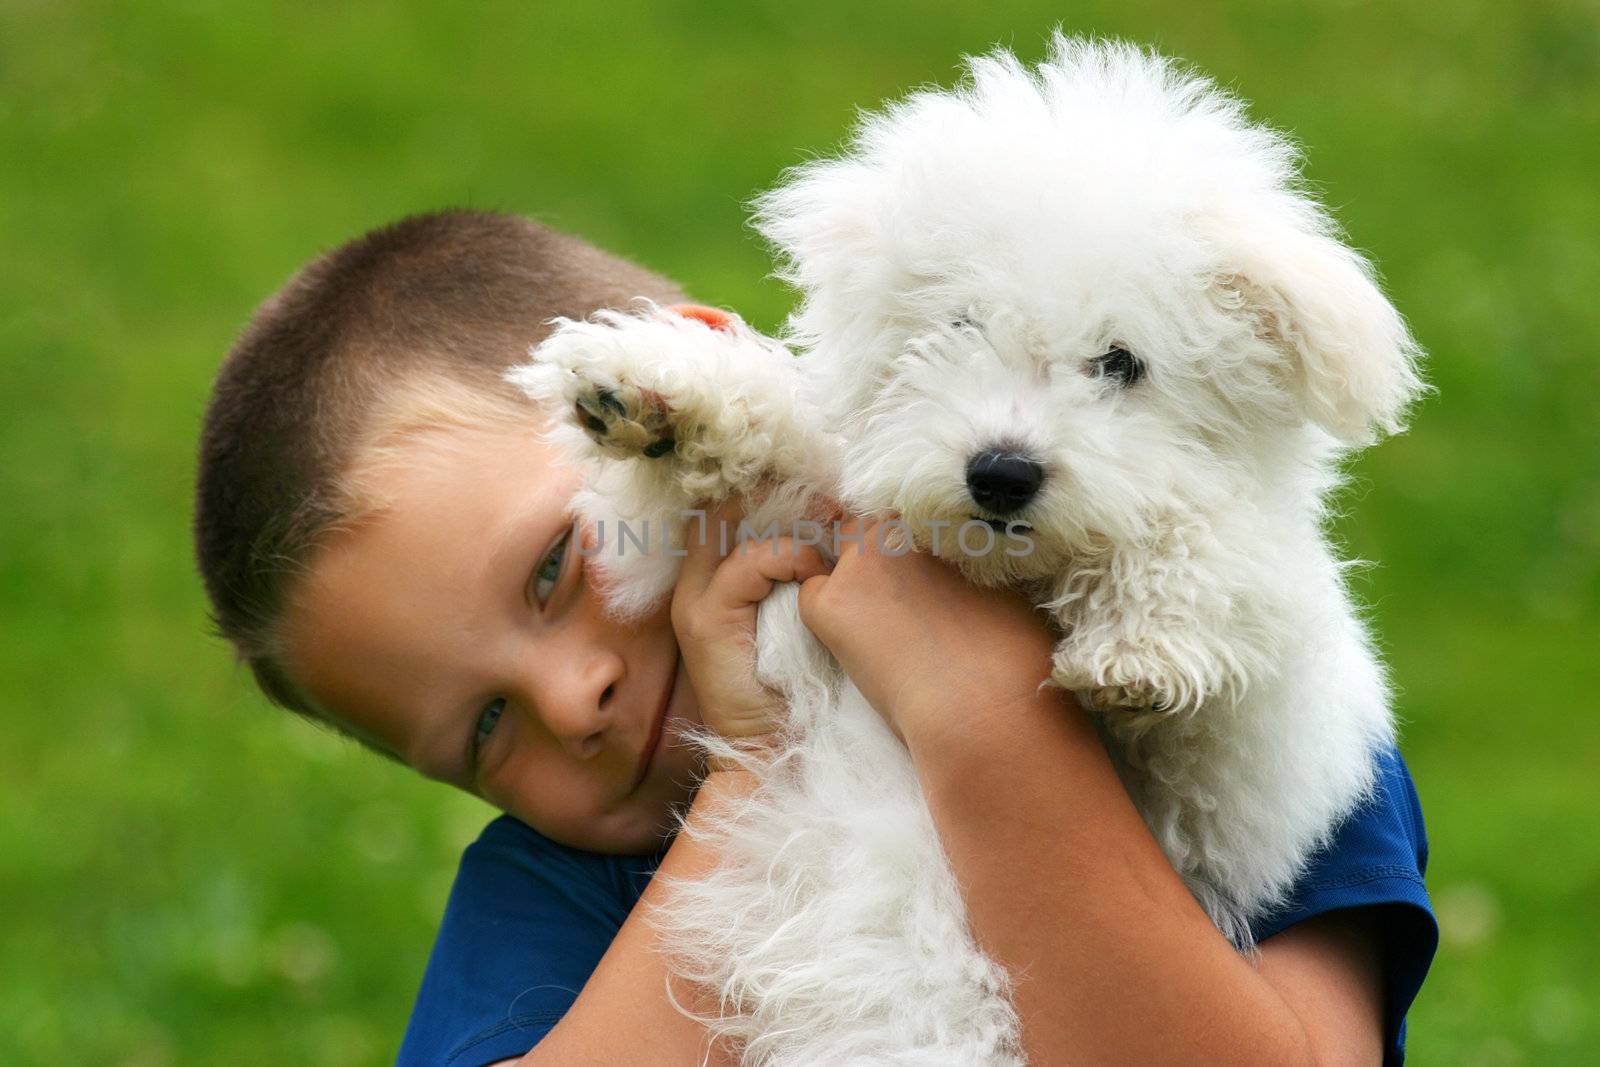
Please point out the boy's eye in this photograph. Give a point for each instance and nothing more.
(486, 722)
(548, 573)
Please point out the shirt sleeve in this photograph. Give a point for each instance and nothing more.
(1376, 859)
(525, 925)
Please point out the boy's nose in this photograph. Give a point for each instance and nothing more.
(575, 705)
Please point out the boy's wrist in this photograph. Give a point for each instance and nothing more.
(723, 783)
(746, 755)
(943, 732)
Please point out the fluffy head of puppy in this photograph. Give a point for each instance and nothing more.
(1086, 299)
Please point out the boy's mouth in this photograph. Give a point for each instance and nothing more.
(657, 723)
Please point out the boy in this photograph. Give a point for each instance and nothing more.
(386, 543)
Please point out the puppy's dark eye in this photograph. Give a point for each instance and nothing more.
(1121, 366)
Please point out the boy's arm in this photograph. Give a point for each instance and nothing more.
(1112, 959)
(1322, 973)
(623, 1014)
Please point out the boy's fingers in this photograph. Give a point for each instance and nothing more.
(754, 568)
(708, 537)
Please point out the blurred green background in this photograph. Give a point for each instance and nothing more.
(188, 877)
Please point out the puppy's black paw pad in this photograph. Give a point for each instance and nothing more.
(590, 421)
(609, 401)
(624, 418)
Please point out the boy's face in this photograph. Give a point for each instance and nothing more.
(459, 630)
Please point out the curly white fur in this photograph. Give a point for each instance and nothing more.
(966, 270)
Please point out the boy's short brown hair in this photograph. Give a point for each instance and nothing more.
(433, 308)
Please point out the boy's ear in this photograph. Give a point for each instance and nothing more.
(1354, 360)
(715, 318)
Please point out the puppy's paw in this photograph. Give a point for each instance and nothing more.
(703, 403)
(622, 418)
(604, 375)
(1116, 679)
(1135, 696)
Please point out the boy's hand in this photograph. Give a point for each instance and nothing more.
(714, 615)
(928, 649)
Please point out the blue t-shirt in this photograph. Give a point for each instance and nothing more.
(529, 919)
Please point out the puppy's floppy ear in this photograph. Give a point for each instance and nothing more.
(1353, 358)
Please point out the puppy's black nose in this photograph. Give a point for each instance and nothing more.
(1002, 482)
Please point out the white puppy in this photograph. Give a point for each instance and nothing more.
(1083, 327)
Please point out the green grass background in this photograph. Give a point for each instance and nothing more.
(189, 877)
